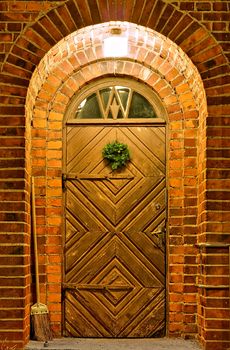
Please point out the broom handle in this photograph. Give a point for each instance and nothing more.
(35, 241)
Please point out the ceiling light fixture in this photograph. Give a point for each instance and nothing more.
(116, 44)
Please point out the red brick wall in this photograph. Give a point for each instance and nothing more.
(199, 206)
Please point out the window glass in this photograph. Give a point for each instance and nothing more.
(105, 96)
(123, 94)
(89, 108)
(141, 108)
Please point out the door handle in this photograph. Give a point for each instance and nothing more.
(160, 232)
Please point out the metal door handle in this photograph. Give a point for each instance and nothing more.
(160, 232)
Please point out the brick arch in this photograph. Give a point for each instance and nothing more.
(158, 57)
(69, 66)
(159, 15)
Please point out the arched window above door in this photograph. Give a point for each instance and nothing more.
(115, 102)
(115, 99)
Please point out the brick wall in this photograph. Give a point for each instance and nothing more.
(199, 145)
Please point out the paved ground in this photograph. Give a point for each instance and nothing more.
(115, 344)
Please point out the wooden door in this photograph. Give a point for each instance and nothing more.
(114, 250)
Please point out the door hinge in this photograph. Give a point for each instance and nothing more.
(64, 178)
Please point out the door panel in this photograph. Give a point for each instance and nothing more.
(114, 264)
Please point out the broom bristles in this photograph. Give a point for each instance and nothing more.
(40, 327)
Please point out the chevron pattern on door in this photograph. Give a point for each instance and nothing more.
(114, 263)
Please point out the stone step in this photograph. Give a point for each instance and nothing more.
(114, 344)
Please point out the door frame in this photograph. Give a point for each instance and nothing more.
(68, 121)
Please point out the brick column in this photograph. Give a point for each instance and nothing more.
(213, 242)
(14, 220)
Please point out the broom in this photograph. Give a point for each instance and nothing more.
(39, 312)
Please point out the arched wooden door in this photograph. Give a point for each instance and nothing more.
(114, 283)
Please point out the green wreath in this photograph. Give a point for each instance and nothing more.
(117, 154)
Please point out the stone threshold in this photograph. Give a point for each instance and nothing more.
(114, 344)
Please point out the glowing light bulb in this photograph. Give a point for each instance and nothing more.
(116, 46)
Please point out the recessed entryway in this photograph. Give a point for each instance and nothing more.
(178, 129)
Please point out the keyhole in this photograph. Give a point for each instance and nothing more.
(157, 206)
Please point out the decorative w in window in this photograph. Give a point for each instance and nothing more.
(115, 102)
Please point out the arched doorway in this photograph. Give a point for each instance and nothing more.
(115, 219)
(170, 77)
